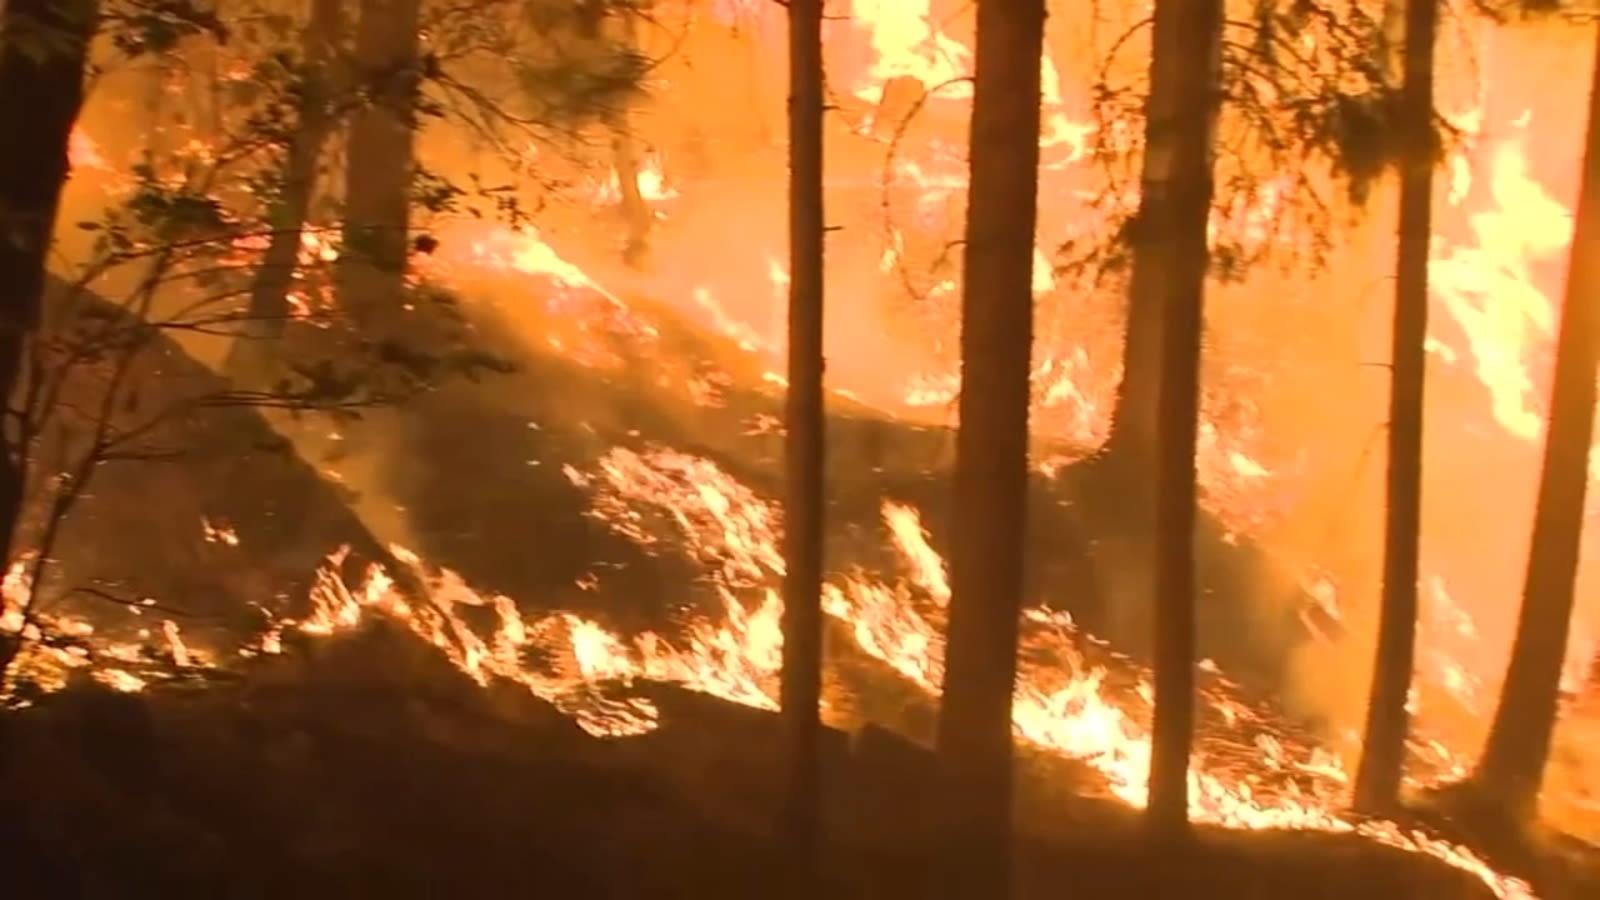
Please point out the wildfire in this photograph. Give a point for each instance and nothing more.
(1487, 283)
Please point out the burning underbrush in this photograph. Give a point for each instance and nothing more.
(366, 765)
(1076, 701)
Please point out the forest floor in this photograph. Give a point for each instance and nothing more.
(365, 765)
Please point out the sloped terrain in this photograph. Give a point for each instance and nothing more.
(479, 471)
(365, 765)
(208, 512)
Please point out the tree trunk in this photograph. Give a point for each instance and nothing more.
(1378, 778)
(1174, 210)
(1512, 767)
(1131, 444)
(268, 310)
(44, 45)
(804, 453)
(991, 473)
(637, 215)
(381, 159)
(44, 48)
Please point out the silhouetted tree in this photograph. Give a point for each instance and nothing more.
(636, 213)
(1172, 260)
(315, 120)
(1378, 778)
(1512, 767)
(1305, 92)
(991, 472)
(381, 158)
(44, 47)
(801, 680)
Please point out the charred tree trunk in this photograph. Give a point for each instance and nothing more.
(1512, 768)
(381, 160)
(1174, 210)
(801, 686)
(268, 310)
(1378, 778)
(44, 45)
(991, 473)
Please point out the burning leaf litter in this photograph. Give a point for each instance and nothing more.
(1064, 703)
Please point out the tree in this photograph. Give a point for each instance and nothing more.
(44, 48)
(1170, 232)
(268, 307)
(1382, 765)
(801, 679)
(1511, 770)
(636, 213)
(381, 160)
(1303, 92)
(991, 471)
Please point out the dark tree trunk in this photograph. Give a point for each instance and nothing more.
(1512, 767)
(44, 46)
(1378, 778)
(1174, 209)
(804, 453)
(380, 164)
(991, 472)
(268, 310)
(1131, 444)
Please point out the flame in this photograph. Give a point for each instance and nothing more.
(1488, 289)
(1487, 283)
(1096, 712)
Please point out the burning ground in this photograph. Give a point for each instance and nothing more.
(586, 689)
(643, 563)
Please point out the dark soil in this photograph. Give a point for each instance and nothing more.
(364, 766)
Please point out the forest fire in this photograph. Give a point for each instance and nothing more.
(702, 208)
(1063, 703)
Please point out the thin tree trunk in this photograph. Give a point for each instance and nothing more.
(1174, 210)
(804, 453)
(44, 45)
(1512, 768)
(1131, 443)
(268, 309)
(991, 473)
(636, 212)
(1382, 765)
(381, 160)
